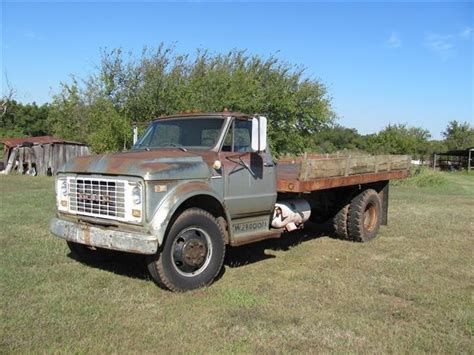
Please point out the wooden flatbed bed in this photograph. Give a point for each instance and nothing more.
(313, 172)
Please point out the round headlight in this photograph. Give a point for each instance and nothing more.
(137, 195)
(64, 188)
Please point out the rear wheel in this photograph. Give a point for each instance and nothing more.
(364, 216)
(192, 254)
(339, 223)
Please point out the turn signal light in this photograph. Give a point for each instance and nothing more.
(161, 188)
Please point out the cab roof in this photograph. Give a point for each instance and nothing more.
(224, 114)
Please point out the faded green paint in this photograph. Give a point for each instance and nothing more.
(176, 196)
(170, 175)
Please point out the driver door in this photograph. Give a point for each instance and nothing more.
(249, 177)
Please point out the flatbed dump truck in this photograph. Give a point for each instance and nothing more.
(194, 183)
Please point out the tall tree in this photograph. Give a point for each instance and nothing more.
(24, 119)
(399, 139)
(161, 81)
(69, 113)
(459, 135)
(337, 138)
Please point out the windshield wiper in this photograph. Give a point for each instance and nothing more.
(177, 146)
(171, 145)
(140, 147)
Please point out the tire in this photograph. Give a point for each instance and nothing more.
(364, 217)
(339, 223)
(86, 253)
(192, 254)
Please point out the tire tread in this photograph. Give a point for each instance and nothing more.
(339, 223)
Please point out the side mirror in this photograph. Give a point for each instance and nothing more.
(259, 134)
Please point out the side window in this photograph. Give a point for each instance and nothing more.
(242, 133)
(242, 136)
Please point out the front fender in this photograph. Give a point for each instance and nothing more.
(171, 202)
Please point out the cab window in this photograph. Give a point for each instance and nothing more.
(194, 133)
(239, 137)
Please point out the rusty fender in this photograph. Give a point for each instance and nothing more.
(175, 197)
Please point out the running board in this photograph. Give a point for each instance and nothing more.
(255, 237)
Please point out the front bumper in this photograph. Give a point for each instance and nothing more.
(131, 242)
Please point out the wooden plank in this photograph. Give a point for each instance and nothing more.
(21, 160)
(399, 162)
(317, 167)
(6, 152)
(11, 160)
(339, 181)
(362, 164)
(47, 158)
(38, 159)
(383, 163)
(29, 159)
(55, 151)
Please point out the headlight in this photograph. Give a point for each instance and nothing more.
(137, 195)
(62, 191)
(64, 188)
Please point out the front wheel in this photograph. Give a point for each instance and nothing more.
(192, 254)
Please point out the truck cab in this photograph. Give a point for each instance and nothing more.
(210, 174)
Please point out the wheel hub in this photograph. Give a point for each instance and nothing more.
(190, 251)
(370, 217)
(194, 252)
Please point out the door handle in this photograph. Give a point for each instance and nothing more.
(268, 164)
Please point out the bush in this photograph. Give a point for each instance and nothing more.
(423, 177)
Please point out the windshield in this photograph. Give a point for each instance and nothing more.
(189, 133)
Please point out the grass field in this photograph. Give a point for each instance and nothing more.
(410, 290)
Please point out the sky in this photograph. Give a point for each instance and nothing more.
(383, 63)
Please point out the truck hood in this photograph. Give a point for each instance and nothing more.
(166, 164)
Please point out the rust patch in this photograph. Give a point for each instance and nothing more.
(209, 157)
(140, 163)
(87, 233)
(13, 142)
(191, 186)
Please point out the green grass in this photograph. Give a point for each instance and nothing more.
(410, 290)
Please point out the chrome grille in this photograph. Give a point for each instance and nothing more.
(97, 197)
